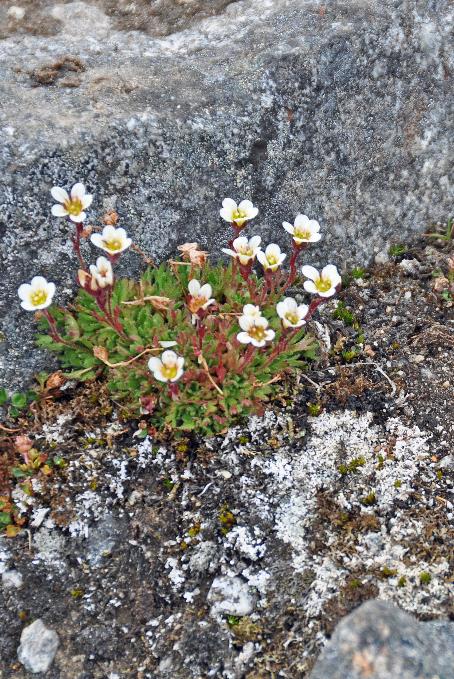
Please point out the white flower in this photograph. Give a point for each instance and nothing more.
(324, 283)
(111, 240)
(304, 230)
(292, 315)
(237, 214)
(37, 294)
(102, 273)
(200, 295)
(252, 310)
(73, 205)
(166, 344)
(243, 249)
(272, 258)
(168, 368)
(256, 331)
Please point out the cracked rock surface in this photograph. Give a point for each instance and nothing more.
(338, 110)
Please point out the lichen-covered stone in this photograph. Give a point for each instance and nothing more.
(38, 646)
(380, 641)
(337, 110)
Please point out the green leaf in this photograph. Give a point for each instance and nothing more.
(72, 327)
(3, 396)
(19, 400)
(5, 518)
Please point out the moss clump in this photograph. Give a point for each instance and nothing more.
(369, 499)
(402, 581)
(227, 519)
(314, 409)
(194, 530)
(351, 466)
(388, 572)
(397, 483)
(425, 578)
(397, 250)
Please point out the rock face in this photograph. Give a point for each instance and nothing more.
(338, 110)
(38, 646)
(379, 641)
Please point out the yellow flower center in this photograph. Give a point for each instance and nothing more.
(74, 206)
(113, 245)
(272, 260)
(301, 235)
(196, 303)
(38, 297)
(323, 284)
(169, 371)
(292, 317)
(238, 214)
(257, 332)
(246, 250)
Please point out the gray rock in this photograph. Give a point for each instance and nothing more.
(447, 462)
(12, 579)
(380, 641)
(230, 596)
(340, 111)
(38, 646)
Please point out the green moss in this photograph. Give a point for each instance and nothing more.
(397, 250)
(168, 484)
(439, 474)
(402, 581)
(388, 572)
(314, 409)
(233, 620)
(194, 530)
(397, 483)
(425, 578)
(243, 440)
(354, 583)
(358, 272)
(227, 519)
(351, 466)
(369, 499)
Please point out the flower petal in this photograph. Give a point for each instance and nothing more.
(251, 310)
(169, 357)
(331, 273)
(302, 220)
(78, 218)
(244, 338)
(246, 322)
(229, 204)
(206, 291)
(310, 272)
(78, 191)
(194, 287)
(261, 256)
(288, 227)
(281, 308)
(24, 291)
(97, 240)
(59, 194)
(240, 243)
(87, 200)
(38, 283)
(59, 211)
(309, 286)
(254, 242)
(226, 251)
(154, 363)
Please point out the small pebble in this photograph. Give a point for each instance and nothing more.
(12, 579)
(16, 12)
